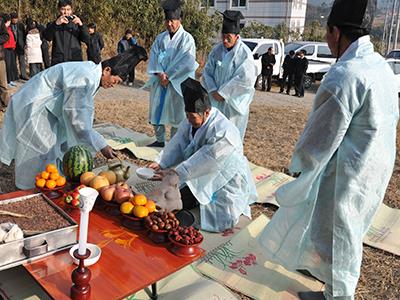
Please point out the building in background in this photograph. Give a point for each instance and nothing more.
(268, 12)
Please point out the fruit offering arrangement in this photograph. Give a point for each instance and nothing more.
(186, 235)
(50, 178)
(73, 197)
(138, 206)
(161, 221)
(116, 193)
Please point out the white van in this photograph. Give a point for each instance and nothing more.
(260, 46)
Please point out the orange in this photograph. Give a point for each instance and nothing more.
(139, 199)
(40, 183)
(54, 176)
(51, 168)
(51, 184)
(126, 207)
(140, 211)
(151, 206)
(61, 181)
(45, 175)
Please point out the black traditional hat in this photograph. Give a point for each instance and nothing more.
(124, 63)
(231, 23)
(358, 14)
(195, 96)
(172, 9)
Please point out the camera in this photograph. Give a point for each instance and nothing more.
(70, 18)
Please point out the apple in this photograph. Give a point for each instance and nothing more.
(123, 185)
(121, 195)
(75, 202)
(68, 199)
(107, 192)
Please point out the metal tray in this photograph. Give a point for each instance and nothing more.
(37, 246)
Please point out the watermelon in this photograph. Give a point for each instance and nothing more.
(76, 161)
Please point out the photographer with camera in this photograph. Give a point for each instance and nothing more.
(66, 33)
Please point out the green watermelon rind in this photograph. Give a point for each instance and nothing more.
(76, 161)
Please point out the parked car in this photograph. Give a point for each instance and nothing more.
(319, 57)
(259, 47)
(395, 65)
(394, 54)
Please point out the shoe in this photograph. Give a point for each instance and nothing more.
(12, 83)
(268, 90)
(23, 79)
(311, 295)
(281, 91)
(287, 93)
(157, 144)
(130, 83)
(295, 95)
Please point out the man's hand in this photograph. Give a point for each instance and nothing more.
(62, 20)
(159, 175)
(77, 21)
(163, 79)
(217, 96)
(108, 152)
(155, 166)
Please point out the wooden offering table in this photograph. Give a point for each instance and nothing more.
(129, 261)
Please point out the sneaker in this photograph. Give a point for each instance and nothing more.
(12, 83)
(157, 144)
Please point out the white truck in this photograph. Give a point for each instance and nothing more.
(318, 54)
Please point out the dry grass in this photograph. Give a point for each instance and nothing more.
(270, 140)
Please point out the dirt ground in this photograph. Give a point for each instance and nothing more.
(276, 121)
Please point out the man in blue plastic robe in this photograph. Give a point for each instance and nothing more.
(230, 73)
(54, 111)
(345, 158)
(208, 154)
(172, 60)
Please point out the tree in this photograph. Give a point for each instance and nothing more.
(314, 32)
(257, 30)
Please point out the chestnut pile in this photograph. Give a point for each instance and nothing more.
(186, 235)
(161, 221)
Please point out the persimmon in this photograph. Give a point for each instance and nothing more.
(54, 176)
(151, 206)
(61, 181)
(140, 211)
(45, 175)
(51, 168)
(51, 184)
(139, 199)
(40, 183)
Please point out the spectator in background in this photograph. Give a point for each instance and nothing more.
(96, 44)
(300, 70)
(44, 47)
(9, 53)
(3, 75)
(289, 65)
(124, 44)
(33, 49)
(66, 33)
(18, 29)
(267, 61)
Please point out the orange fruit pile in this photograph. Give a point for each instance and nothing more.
(50, 178)
(139, 206)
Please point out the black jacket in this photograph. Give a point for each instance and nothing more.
(301, 66)
(267, 62)
(96, 44)
(20, 37)
(289, 64)
(3, 39)
(67, 40)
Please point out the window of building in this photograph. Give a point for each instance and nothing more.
(239, 3)
(208, 3)
(324, 52)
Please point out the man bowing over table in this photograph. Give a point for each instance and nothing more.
(208, 154)
(230, 73)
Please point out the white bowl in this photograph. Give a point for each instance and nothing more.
(95, 253)
(145, 173)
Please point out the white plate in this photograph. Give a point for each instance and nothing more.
(145, 173)
(95, 253)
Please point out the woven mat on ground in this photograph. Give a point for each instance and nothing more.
(240, 265)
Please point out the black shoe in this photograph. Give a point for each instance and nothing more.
(281, 91)
(268, 90)
(287, 93)
(295, 95)
(157, 144)
(308, 274)
(311, 295)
